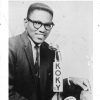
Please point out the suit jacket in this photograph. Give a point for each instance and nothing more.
(23, 81)
(22, 71)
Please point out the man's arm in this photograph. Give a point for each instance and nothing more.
(75, 89)
(85, 85)
(13, 94)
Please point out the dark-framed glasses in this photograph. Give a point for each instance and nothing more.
(38, 24)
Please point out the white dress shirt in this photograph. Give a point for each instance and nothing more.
(33, 49)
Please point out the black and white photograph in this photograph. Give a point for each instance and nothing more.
(50, 50)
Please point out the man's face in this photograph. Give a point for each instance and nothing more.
(40, 34)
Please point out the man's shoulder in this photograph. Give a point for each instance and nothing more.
(47, 47)
(14, 38)
(47, 51)
(15, 41)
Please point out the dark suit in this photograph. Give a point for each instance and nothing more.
(23, 81)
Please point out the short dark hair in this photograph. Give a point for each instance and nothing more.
(39, 6)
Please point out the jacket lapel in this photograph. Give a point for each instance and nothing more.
(28, 52)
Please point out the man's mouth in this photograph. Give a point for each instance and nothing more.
(40, 38)
(40, 35)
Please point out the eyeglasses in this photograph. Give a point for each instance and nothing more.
(38, 24)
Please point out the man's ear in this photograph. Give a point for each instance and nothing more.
(25, 22)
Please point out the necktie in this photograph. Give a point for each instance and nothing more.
(37, 65)
(37, 61)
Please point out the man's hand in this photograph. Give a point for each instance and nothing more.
(85, 85)
(85, 95)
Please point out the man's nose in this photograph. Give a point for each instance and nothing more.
(42, 29)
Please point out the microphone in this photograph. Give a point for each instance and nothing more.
(57, 72)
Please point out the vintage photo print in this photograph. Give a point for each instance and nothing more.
(50, 50)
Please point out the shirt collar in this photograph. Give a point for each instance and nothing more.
(32, 43)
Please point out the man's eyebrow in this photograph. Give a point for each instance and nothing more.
(42, 22)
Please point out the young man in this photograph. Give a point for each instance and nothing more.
(31, 59)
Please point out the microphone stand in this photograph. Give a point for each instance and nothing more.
(58, 95)
(57, 74)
